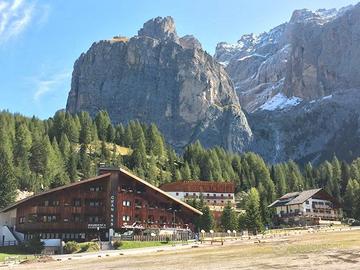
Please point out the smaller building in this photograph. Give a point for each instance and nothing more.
(215, 194)
(309, 207)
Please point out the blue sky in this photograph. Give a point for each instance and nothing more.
(40, 40)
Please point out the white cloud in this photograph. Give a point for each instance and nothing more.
(16, 16)
(44, 86)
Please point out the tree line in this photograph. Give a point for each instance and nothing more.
(39, 154)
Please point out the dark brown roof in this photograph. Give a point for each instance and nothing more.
(199, 186)
(11, 206)
(160, 191)
(103, 176)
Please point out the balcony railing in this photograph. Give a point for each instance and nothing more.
(310, 214)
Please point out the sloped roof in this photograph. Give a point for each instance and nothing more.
(11, 206)
(303, 196)
(160, 191)
(295, 197)
(101, 176)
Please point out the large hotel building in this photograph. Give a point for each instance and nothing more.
(114, 201)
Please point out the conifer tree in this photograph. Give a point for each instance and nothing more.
(102, 121)
(253, 216)
(185, 172)
(228, 218)
(85, 136)
(7, 176)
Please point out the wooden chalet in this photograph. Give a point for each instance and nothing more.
(114, 201)
(308, 207)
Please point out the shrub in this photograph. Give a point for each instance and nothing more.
(117, 244)
(71, 247)
(167, 239)
(32, 246)
(89, 247)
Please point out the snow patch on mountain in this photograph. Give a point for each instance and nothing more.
(280, 102)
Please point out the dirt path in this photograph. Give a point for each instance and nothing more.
(336, 250)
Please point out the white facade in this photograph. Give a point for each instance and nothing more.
(311, 207)
(210, 197)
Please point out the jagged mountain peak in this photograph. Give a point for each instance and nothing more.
(157, 77)
(162, 28)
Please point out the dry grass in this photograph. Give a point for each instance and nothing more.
(323, 250)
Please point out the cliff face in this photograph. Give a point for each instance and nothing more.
(299, 83)
(161, 78)
(311, 56)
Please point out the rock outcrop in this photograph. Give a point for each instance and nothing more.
(311, 56)
(299, 84)
(161, 78)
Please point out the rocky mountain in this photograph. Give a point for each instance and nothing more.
(160, 77)
(311, 56)
(299, 84)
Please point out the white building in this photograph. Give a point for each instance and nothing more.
(313, 206)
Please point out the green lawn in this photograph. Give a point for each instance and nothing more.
(12, 252)
(141, 244)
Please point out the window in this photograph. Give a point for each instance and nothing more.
(222, 195)
(229, 195)
(66, 220)
(21, 220)
(76, 218)
(126, 218)
(177, 193)
(208, 195)
(55, 203)
(307, 202)
(187, 194)
(126, 203)
(48, 219)
(96, 188)
(77, 202)
(94, 219)
(46, 203)
(307, 210)
(194, 194)
(95, 203)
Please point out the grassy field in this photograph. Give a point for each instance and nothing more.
(318, 250)
(12, 252)
(142, 244)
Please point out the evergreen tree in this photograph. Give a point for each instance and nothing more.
(84, 162)
(253, 216)
(85, 136)
(7, 176)
(207, 222)
(103, 122)
(228, 218)
(185, 172)
(155, 141)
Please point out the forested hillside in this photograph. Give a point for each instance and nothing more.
(36, 155)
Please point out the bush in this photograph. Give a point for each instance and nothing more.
(117, 244)
(71, 247)
(32, 246)
(167, 239)
(89, 247)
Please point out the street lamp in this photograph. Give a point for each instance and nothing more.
(100, 245)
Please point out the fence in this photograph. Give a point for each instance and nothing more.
(161, 238)
(8, 243)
